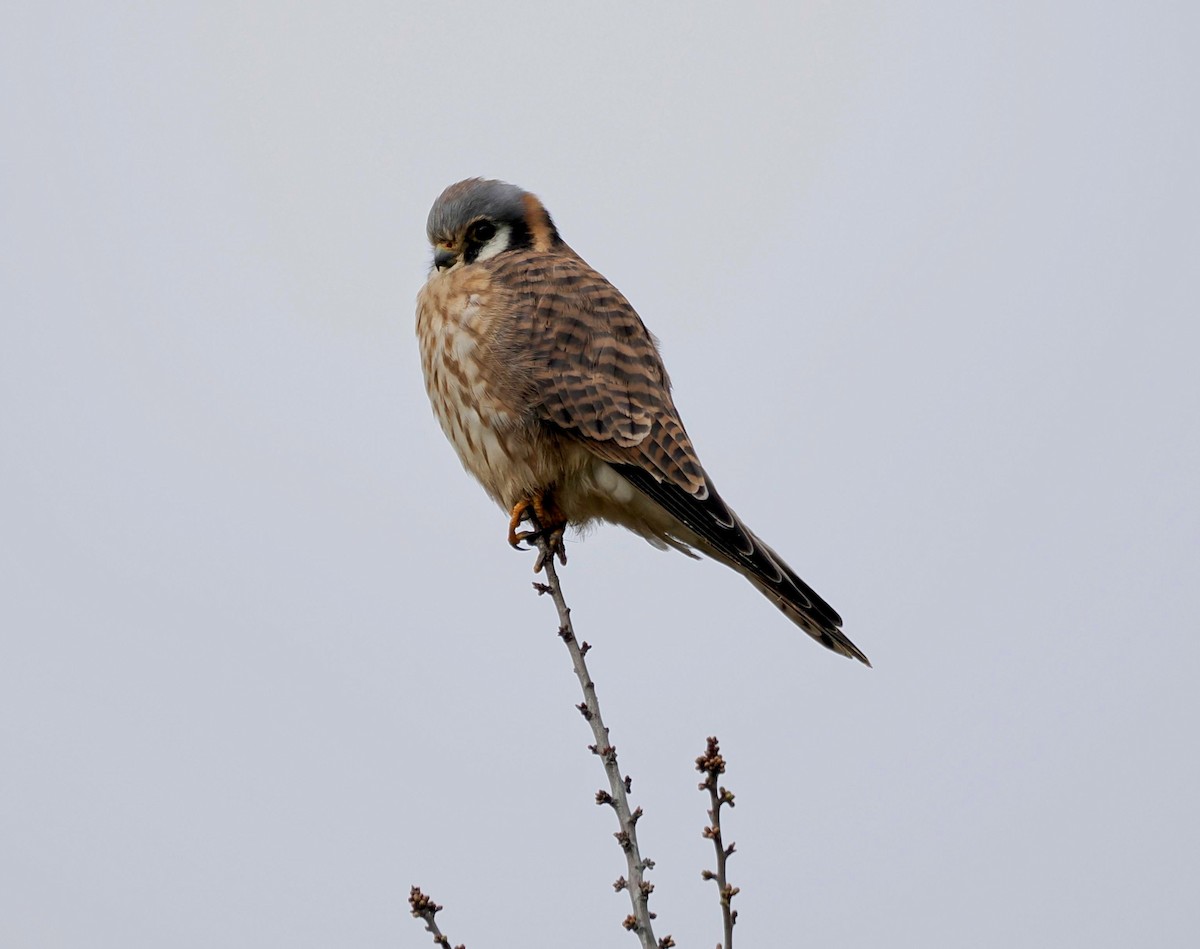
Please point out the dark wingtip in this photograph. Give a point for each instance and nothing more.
(727, 539)
(860, 655)
(836, 640)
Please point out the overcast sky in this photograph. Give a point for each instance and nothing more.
(925, 276)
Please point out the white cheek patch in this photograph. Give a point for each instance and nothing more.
(497, 245)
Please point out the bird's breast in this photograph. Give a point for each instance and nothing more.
(466, 380)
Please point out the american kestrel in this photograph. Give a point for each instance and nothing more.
(553, 393)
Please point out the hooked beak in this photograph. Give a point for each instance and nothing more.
(444, 257)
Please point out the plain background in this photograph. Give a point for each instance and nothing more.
(925, 275)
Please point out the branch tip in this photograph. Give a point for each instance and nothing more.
(420, 904)
(711, 764)
(426, 909)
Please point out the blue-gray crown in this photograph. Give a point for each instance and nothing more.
(474, 198)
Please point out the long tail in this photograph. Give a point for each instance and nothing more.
(797, 600)
(720, 533)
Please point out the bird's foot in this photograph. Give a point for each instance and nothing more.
(548, 525)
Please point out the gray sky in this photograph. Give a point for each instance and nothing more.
(925, 277)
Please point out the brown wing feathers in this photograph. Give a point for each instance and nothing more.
(598, 375)
(597, 371)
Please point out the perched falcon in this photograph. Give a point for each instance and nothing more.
(553, 393)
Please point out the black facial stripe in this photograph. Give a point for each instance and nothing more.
(519, 238)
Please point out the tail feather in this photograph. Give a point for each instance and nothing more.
(808, 611)
(723, 536)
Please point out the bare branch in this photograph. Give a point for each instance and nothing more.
(711, 764)
(425, 908)
(638, 888)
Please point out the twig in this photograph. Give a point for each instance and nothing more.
(711, 764)
(639, 889)
(425, 908)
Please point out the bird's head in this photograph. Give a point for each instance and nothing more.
(477, 219)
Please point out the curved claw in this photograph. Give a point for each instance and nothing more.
(548, 523)
(521, 511)
(523, 537)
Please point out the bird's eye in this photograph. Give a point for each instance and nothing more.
(483, 231)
